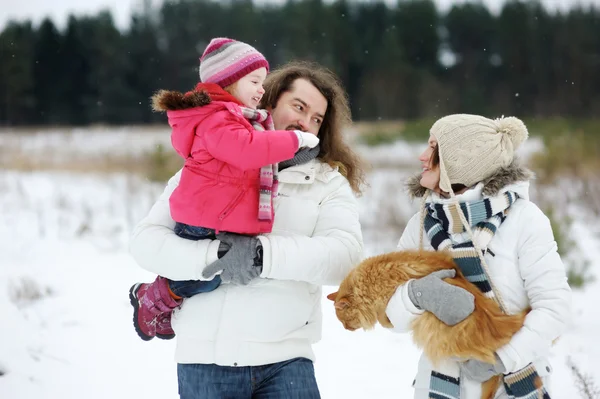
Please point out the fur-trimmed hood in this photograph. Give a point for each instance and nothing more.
(202, 95)
(508, 175)
(166, 100)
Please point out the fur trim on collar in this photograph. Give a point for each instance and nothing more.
(165, 100)
(491, 186)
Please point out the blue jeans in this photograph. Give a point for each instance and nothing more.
(291, 379)
(189, 288)
(193, 232)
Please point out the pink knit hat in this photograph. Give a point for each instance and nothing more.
(225, 61)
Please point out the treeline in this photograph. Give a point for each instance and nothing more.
(396, 62)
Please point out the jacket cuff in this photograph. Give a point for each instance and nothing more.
(266, 256)
(295, 139)
(400, 309)
(508, 355)
(408, 303)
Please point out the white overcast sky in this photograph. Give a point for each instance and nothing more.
(58, 10)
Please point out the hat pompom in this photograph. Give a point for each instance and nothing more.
(514, 128)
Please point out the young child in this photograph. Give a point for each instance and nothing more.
(229, 178)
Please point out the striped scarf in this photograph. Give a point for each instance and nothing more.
(484, 217)
(262, 120)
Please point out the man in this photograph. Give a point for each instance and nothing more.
(252, 337)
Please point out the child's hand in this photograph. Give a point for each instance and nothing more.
(306, 139)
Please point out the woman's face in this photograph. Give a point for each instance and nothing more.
(430, 177)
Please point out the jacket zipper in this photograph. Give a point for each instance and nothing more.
(232, 205)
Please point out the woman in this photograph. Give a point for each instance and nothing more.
(476, 204)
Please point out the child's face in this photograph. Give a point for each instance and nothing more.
(249, 89)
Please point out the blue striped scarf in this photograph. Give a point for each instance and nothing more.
(484, 218)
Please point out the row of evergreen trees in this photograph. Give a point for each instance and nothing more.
(402, 61)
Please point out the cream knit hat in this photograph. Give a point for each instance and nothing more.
(473, 147)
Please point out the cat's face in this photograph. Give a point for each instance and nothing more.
(350, 311)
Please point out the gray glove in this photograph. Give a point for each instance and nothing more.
(476, 370)
(447, 302)
(242, 262)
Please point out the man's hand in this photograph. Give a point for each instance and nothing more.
(241, 264)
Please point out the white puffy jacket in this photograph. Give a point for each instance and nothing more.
(526, 270)
(316, 240)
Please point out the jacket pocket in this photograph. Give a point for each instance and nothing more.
(421, 381)
(232, 204)
(280, 309)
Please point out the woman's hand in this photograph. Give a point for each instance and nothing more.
(479, 371)
(447, 302)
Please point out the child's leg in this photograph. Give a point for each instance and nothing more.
(153, 303)
(189, 288)
(193, 232)
(152, 307)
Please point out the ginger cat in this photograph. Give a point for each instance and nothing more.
(363, 296)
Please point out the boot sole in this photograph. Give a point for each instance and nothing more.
(136, 306)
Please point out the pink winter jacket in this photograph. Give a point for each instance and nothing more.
(223, 154)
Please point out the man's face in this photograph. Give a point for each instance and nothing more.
(303, 108)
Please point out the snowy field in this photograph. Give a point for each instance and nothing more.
(65, 274)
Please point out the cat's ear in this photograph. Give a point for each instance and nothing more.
(342, 303)
(332, 296)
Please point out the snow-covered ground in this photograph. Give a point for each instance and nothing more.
(65, 274)
(74, 142)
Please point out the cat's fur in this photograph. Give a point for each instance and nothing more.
(363, 296)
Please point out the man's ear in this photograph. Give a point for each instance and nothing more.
(342, 303)
(332, 296)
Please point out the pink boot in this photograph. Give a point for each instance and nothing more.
(163, 326)
(152, 307)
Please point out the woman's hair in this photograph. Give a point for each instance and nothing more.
(333, 149)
